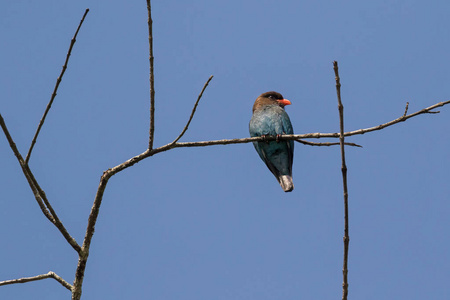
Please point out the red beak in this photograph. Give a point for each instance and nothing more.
(284, 102)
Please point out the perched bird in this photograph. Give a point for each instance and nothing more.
(270, 118)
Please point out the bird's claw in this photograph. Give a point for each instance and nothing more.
(264, 138)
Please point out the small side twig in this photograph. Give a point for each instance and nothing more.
(193, 111)
(344, 181)
(406, 109)
(398, 120)
(58, 81)
(326, 144)
(152, 77)
(39, 277)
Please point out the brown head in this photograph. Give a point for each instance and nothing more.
(270, 98)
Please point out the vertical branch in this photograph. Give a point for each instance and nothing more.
(344, 181)
(152, 78)
(84, 253)
(55, 89)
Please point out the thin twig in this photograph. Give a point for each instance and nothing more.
(152, 77)
(39, 277)
(326, 144)
(58, 81)
(406, 109)
(38, 193)
(398, 120)
(344, 182)
(56, 220)
(193, 110)
(24, 170)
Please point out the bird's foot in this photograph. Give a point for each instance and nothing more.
(264, 137)
(278, 138)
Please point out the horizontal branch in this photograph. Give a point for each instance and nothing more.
(39, 277)
(298, 137)
(295, 137)
(326, 144)
(403, 118)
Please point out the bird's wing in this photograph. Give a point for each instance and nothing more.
(287, 129)
(262, 152)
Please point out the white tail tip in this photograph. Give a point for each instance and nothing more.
(286, 183)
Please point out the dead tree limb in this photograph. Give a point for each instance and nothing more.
(39, 194)
(344, 181)
(55, 89)
(39, 277)
(152, 77)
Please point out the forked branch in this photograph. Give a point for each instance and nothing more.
(38, 193)
(39, 277)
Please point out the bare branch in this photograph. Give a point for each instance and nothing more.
(11, 141)
(39, 277)
(398, 120)
(38, 193)
(58, 81)
(326, 144)
(84, 253)
(152, 77)
(344, 181)
(25, 170)
(193, 111)
(406, 109)
(296, 137)
(317, 135)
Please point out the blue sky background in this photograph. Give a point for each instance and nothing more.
(213, 223)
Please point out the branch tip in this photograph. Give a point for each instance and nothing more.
(55, 89)
(193, 111)
(406, 109)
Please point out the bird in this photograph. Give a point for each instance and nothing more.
(270, 119)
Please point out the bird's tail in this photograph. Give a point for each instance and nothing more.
(286, 183)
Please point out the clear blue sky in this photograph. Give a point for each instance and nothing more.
(213, 223)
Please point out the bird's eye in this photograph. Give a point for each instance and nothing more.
(271, 97)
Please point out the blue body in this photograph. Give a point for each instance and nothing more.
(278, 156)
